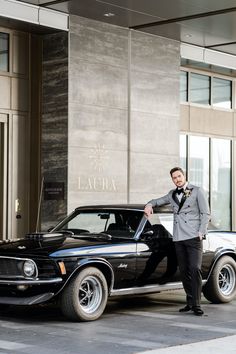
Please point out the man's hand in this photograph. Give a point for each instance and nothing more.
(201, 236)
(148, 210)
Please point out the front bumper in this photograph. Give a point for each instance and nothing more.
(29, 291)
(30, 282)
(31, 300)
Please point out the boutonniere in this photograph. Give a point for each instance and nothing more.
(187, 192)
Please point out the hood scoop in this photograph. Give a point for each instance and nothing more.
(45, 237)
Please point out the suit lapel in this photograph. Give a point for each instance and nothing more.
(182, 202)
(184, 197)
(174, 197)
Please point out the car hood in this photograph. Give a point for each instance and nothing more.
(62, 246)
(59, 247)
(222, 239)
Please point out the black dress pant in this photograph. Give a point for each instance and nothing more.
(189, 256)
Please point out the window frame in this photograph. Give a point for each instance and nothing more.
(187, 154)
(211, 77)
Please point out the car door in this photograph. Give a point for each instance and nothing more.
(156, 258)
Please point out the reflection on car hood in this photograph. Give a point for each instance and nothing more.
(219, 239)
(23, 247)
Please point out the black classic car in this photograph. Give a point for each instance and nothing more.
(102, 251)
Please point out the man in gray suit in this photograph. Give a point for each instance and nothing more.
(191, 217)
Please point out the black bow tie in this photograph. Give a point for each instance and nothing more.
(179, 190)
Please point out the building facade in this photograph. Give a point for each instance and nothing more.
(100, 114)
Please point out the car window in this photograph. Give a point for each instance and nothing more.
(164, 219)
(91, 222)
(120, 223)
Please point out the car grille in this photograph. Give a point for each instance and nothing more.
(10, 267)
(46, 268)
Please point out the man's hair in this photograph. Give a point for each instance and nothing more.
(174, 169)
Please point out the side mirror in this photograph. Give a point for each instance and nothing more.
(148, 233)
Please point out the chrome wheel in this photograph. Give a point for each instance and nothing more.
(227, 279)
(90, 294)
(221, 284)
(85, 296)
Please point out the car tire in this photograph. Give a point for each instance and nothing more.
(221, 285)
(85, 297)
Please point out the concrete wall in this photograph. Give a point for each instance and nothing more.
(98, 113)
(154, 114)
(123, 114)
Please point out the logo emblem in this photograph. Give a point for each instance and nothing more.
(123, 265)
(21, 247)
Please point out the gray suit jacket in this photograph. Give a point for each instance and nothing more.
(191, 215)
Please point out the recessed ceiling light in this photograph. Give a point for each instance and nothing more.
(188, 35)
(109, 14)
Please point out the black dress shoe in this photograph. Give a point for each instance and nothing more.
(185, 308)
(197, 311)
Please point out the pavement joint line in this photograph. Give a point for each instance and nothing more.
(149, 314)
(199, 326)
(202, 327)
(226, 344)
(223, 322)
(129, 342)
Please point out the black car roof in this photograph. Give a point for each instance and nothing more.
(134, 207)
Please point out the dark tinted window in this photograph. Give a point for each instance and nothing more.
(114, 222)
(4, 51)
(183, 86)
(200, 89)
(222, 93)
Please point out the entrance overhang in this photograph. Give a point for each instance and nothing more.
(34, 14)
(207, 56)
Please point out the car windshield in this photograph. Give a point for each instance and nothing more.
(113, 222)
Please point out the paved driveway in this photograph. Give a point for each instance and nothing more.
(129, 325)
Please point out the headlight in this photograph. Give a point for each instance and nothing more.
(29, 269)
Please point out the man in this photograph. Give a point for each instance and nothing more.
(191, 217)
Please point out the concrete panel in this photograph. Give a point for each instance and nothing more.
(97, 84)
(150, 176)
(155, 93)
(155, 133)
(210, 121)
(20, 94)
(154, 122)
(154, 54)
(96, 176)
(20, 57)
(184, 118)
(106, 109)
(91, 125)
(154, 74)
(99, 162)
(77, 199)
(5, 97)
(98, 42)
